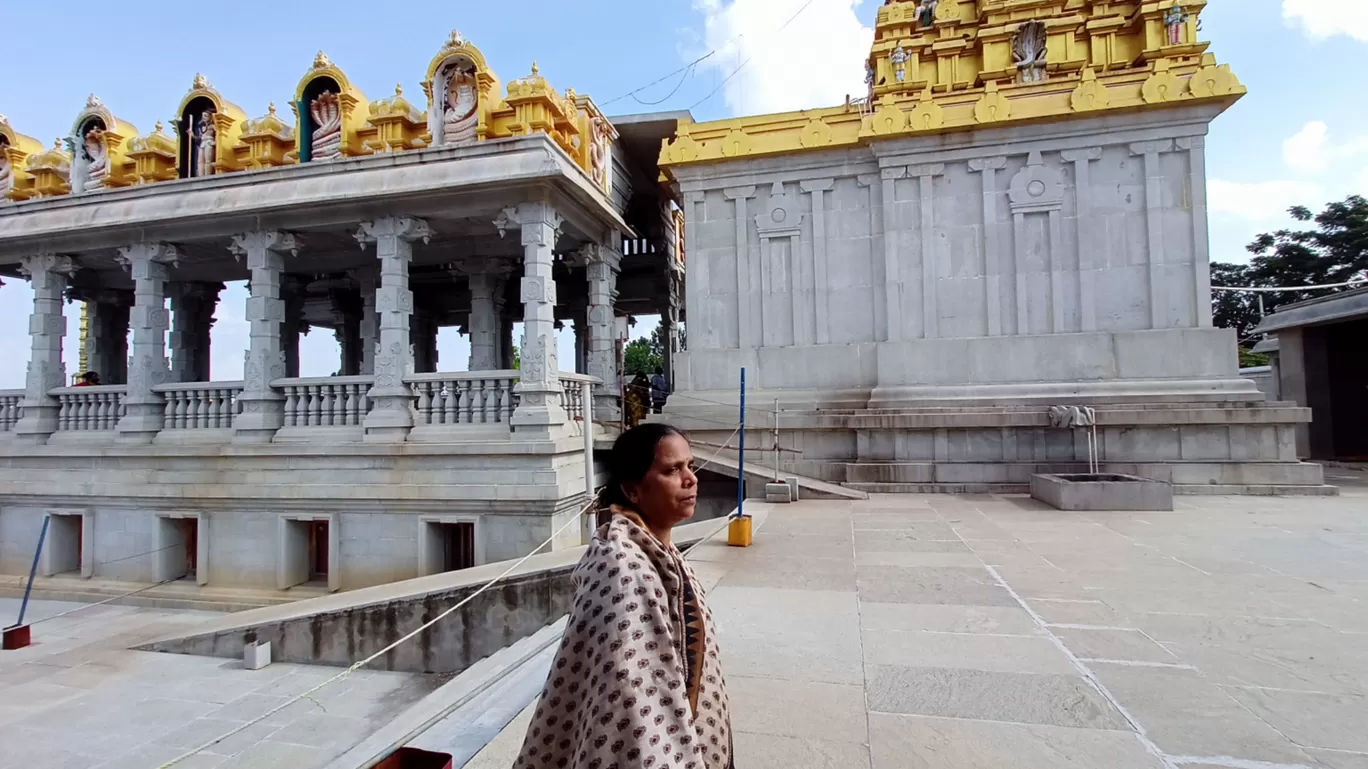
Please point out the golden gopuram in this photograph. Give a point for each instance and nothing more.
(990, 265)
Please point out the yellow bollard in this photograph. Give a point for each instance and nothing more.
(739, 532)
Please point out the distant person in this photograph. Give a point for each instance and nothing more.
(637, 399)
(89, 379)
(637, 681)
(660, 390)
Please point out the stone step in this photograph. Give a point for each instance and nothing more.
(809, 488)
(1186, 489)
(940, 488)
(182, 595)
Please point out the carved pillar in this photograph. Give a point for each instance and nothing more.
(992, 243)
(487, 281)
(106, 342)
(293, 293)
(601, 268)
(1201, 243)
(505, 340)
(144, 410)
(369, 328)
(1089, 254)
(47, 327)
(390, 417)
(423, 338)
(346, 313)
(539, 412)
(748, 318)
(262, 407)
(1154, 227)
(192, 311)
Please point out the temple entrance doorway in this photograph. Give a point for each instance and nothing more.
(448, 543)
(64, 552)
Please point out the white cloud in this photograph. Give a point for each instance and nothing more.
(814, 62)
(1261, 201)
(1312, 151)
(1321, 19)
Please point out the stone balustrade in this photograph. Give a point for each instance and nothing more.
(439, 400)
(471, 397)
(88, 409)
(200, 405)
(325, 402)
(572, 393)
(11, 409)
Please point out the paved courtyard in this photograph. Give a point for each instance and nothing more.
(79, 698)
(981, 632)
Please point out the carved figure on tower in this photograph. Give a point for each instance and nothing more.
(6, 174)
(1029, 52)
(899, 59)
(460, 116)
(207, 145)
(96, 157)
(926, 12)
(600, 152)
(1175, 18)
(326, 142)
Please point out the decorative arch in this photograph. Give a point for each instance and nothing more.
(15, 151)
(97, 148)
(203, 111)
(458, 58)
(324, 78)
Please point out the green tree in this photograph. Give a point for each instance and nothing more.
(638, 357)
(1335, 251)
(517, 359)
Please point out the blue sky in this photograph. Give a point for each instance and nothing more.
(1298, 138)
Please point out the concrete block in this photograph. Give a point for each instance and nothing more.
(778, 491)
(792, 481)
(256, 655)
(1101, 491)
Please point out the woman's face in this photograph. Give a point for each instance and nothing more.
(669, 490)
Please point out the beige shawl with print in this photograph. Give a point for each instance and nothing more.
(637, 681)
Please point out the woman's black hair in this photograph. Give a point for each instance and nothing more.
(633, 454)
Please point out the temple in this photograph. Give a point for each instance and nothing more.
(1011, 217)
(379, 221)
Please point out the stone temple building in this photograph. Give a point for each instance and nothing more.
(1013, 216)
(378, 220)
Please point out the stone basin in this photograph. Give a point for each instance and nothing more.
(1101, 491)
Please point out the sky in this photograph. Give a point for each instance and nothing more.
(1296, 139)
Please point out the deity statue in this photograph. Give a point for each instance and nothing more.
(459, 114)
(869, 82)
(1029, 52)
(599, 152)
(6, 175)
(208, 140)
(1174, 20)
(899, 59)
(926, 12)
(326, 142)
(96, 158)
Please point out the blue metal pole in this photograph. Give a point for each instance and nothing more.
(741, 461)
(33, 570)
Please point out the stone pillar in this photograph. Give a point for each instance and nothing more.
(47, 327)
(487, 281)
(539, 412)
(423, 336)
(100, 350)
(391, 417)
(145, 410)
(369, 327)
(263, 409)
(601, 267)
(581, 340)
(505, 340)
(293, 294)
(192, 311)
(346, 313)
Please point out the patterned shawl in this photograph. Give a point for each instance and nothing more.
(637, 681)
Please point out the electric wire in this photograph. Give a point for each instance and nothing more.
(662, 79)
(743, 64)
(1355, 281)
(362, 663)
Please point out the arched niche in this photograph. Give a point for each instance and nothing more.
(97, 148)
(203, 111)
(461, 91)
(339, 105)
(196, 117)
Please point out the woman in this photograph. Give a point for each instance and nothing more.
(637, 399)
(637, 681)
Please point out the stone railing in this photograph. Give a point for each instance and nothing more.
(572, 393)
(11, 409)
(85, 409)
(200, 405)
(463, 398)
(338, 401)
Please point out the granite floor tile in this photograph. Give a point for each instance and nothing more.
(1189, 716)
(1327, 721)
(992, 653)
(1001, 620)
(913, 560)
(810, 710)
(1127, 645)
(931, 585)
(913, 742)
(786, 576)
(767, 751)
(1052, 700)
